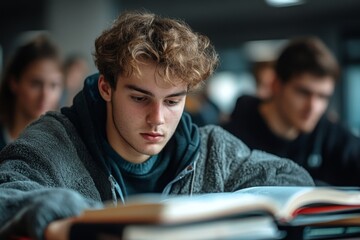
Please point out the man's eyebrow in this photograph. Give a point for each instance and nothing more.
(135, 88)
(178, 94)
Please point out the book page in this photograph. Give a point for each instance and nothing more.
(180, 209)
(281, 202)
(289, 199)
(260, 227)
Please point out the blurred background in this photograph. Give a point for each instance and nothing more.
(243, 31)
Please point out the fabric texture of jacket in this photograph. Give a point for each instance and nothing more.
(330, 153)
(55, 169)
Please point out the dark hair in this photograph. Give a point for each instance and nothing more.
(306, 55)
(137, 37)
(40, 47)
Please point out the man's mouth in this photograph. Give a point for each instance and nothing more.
(152, 136)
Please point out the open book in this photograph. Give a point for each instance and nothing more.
(285, 204)
(308, 205)
(256, 209)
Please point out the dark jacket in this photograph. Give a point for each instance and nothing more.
(2, 137)
(55, 169)
(330, 153)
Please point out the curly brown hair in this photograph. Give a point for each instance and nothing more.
(137, 37)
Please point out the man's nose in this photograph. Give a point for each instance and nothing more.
(155, 115)
(46, 92)
(315, 104)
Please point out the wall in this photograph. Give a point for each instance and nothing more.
(76, 24)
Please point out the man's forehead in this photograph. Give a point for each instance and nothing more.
(310, 77)
(150, 76)
(314, 84)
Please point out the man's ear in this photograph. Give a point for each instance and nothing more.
(104, 88)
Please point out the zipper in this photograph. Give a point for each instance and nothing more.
(192, 179)
(115, 188)
(189, 169)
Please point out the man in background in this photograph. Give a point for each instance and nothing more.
(293, 124)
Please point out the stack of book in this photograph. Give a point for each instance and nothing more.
(251, 213)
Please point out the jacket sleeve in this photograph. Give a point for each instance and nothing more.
(231, 165)
(36, 186)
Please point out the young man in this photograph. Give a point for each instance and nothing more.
(292, 123)
(126, 134)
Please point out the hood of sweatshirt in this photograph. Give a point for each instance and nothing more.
(88, 114)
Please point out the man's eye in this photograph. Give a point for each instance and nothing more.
(138, 99)
(172, 102)
(303, 92)
(54, 86)
(36, 83)
(324, 97)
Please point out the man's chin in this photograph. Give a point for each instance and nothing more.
(307, 129)
(39, 112)
(152, 151)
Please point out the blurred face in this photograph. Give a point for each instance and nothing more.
(39, 88)
(266, 79)
(142, 113)
(303, 100)
(76, 75)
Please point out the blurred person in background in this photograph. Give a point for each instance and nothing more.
(293, 123)
(75, 70)
(264, 74)
(202, 109)
(31, 85)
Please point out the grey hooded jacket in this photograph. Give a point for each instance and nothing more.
(50, 172)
